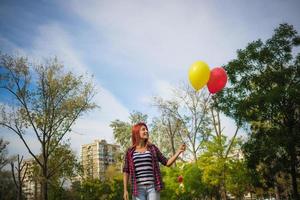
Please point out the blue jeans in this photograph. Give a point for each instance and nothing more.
(146, 193)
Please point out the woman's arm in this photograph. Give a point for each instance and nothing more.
(175, 156)
(125, 181)
(125, 175)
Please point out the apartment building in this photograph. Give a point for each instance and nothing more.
(31, 186)
(96, 157)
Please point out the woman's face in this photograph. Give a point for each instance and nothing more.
(144, 132)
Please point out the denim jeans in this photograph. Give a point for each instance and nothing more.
(146, 193)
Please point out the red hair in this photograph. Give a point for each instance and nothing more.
(135, 133)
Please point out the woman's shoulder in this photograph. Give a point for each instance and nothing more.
(151, 145)
(129, 149)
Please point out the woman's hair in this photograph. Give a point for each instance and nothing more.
(135, 136)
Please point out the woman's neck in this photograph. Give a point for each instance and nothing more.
(142, 144)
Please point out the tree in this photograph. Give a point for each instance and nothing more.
(189, 109)
(7, 185)
(172, 189)
(264, 91)
(193, 183)
(93, 189)
(114, 178)
(122, 130)
(65, 174)
(46, 102)
(68, 169)
(262, 154)
(219, 166)
(225, 146)
(19, 175)
(239, 179)
(61, 177)
(165, 131)
(4, 159)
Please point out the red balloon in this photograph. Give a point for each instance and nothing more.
(217, 80)
(180, 179)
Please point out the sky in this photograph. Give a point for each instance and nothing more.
(135, 49)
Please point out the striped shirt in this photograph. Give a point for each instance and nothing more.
(157, 157)
(143, 167)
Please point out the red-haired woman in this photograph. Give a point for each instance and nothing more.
(141, 165)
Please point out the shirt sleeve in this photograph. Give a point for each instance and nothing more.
(161, 158)
(126, 163)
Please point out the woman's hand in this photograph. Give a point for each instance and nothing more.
(181, 148)
(125, 196)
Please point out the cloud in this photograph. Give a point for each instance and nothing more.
(147, 46)
(53, 40)
(10, 47)
(165, 37)
(161, 88)
(95, 125)
(16, 146)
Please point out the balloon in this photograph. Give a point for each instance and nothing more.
(180, 179)
(217, 80)
(199, 74)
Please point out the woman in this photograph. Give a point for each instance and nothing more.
(141, 165)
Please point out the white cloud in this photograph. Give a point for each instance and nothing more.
(161, 88)
(167, 36)
(53, 40)
(16, 146)
(10, 47)
(164, 89)
(95, 125)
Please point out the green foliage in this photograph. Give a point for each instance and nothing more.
(111, 188)
(122, 130)
(45, 102)
(239, 179)
(264, 92)
(8, 189)
(57, 192)
(172, 189)
(263, 79)
(193, 184)
(95, 189)
(185, 115)
(116, 189)
(222, 173)
(165, 134)
(3, 153)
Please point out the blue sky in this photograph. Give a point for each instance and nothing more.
(134, 49)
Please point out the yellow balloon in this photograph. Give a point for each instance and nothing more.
(199, 74)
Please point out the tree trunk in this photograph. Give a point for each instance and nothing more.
(45, 182)
(294, 172)
(35, 196)
(277, 194)
(45, 189)
(173, 147)
(194, 154)
(218, 195)
(20, 193)
(20, 183)
(223, 182)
